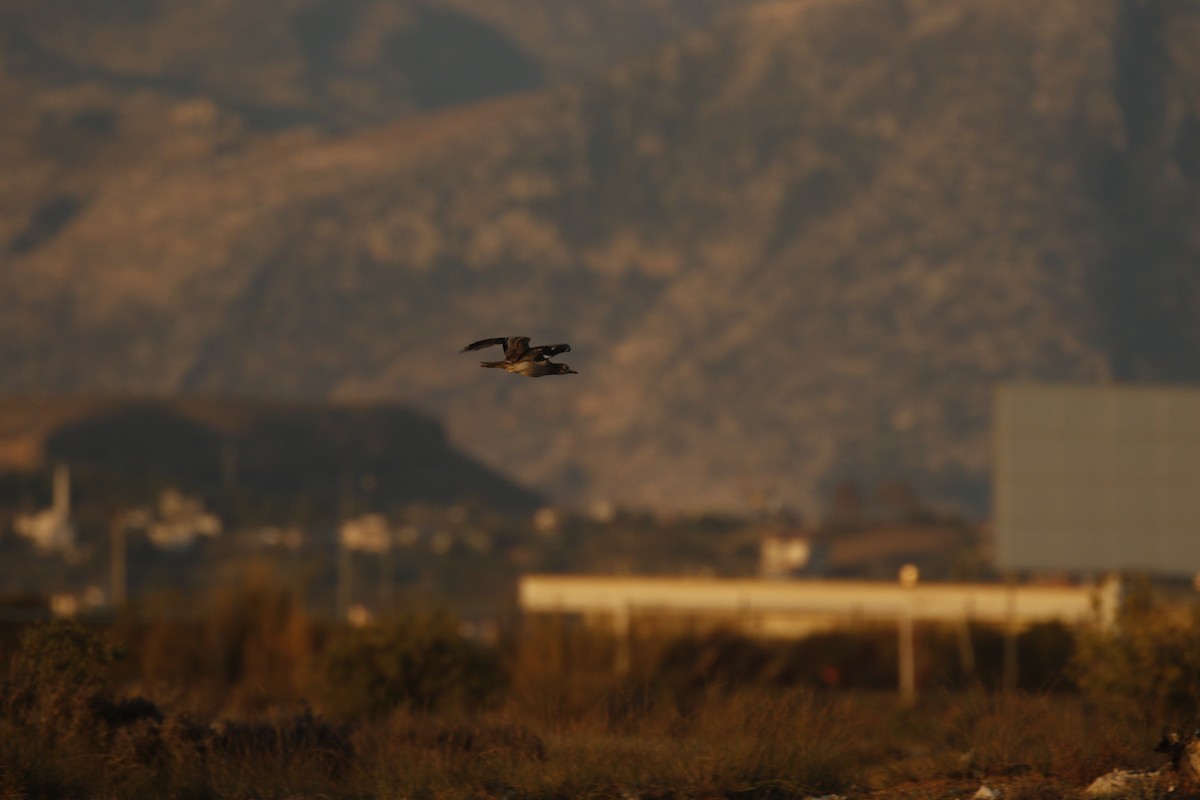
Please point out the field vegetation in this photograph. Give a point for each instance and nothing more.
(253, 697)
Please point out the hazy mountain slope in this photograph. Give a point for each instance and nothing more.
(333, 62)
(575, 40)
(800, 247)
(1146, 187)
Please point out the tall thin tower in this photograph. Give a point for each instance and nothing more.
(61, 504)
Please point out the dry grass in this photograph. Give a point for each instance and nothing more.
(788, 745)
(71, 727)
(785, 744)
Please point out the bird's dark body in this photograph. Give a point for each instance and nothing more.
(521, 358)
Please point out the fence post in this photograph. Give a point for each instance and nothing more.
(906, 651)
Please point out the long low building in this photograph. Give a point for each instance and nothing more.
(791, 607)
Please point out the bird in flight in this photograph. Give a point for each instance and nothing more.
(519, 357)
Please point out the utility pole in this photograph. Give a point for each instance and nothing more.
(345, 576)
(1010, 679)
(906, 650)
(229, 479)
(117, 561)
(387, 569)
(345, 582)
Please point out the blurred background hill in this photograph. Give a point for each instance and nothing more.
(249, 459)
(792, 243)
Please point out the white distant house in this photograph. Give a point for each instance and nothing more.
(180, 521)
(51, 529)
(781, 555)
(176, 524)
(368, 533)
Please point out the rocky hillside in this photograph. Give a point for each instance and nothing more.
(798, 247)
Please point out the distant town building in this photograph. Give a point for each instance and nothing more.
(368, 533)
(602, 511)
(180, 521)
(276, 536)
(547, 520)
(64, 604)
(359, 616)
(781, 555)
(51, 529)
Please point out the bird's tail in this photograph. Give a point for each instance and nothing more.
(492, 364)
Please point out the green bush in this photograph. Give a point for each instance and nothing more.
(1148, 665)
(418, 661)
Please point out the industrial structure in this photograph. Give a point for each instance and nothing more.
(51, 530)
(796, 607)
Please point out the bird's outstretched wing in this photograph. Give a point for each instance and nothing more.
(544, 351)
(514, 346)
(482, 343)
